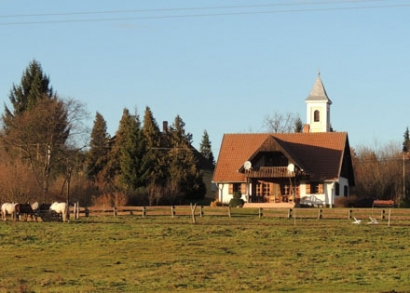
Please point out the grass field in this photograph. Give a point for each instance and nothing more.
(218, 254)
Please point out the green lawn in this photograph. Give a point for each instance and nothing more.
(218, 254)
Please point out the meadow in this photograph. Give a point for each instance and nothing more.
(217, 254)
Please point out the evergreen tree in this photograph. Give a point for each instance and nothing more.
(185, 179)
(205, 148)
(180, 135)
(406, 142)
(131, 150)
(298, 125)
(155, 158)
(97, 156)
(38, 126)
(34, 86)
(151, 130)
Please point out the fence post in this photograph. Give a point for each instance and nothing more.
(383, 216)
(115, 211)
(75, 210)
(144, 211)
(86, 212)
(229, 211)
(77, 215)
(260, 213)
(172, 211)
(319, 216)
(193, 207)
(290, 214)
(349, 214)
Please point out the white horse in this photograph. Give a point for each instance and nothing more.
(60, 208)
(35, 206)
(8, 209)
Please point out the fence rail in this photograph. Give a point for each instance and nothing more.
(194, 211)
(205, 211)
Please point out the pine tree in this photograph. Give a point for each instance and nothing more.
(180, 135)
(34, 86)
(38, 126)
(155, 159)
(132, 149)
(150, 129)
(298, 125)
(406, 142)
(205, 148)
(97, 157)
(185, 179)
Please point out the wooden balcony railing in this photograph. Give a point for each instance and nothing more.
(270, 172)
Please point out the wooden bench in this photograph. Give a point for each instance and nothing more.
(383, 203)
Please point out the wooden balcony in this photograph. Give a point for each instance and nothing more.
(270, 172)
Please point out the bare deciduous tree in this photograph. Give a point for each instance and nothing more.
(280, 123)
(44, 138)
(379, 172)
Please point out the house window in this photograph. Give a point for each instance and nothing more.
(286, 190)
(263, 189)
(346, 191)
(316, 116)
(314, 188)
(337, 189)
(266, 189)
(241, 187)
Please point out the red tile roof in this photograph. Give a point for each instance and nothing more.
(320, 154)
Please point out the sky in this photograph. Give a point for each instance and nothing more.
(222, 66)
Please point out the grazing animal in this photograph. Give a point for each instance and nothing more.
(60, 208)
(35, 206)
(23, 209)
(8, 209)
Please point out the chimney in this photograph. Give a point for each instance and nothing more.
(164, 126)
(306, 128)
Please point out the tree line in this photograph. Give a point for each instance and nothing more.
(383, 172)
(47, 152)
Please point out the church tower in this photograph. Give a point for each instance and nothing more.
(318, 108)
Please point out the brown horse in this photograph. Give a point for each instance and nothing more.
(24, 209)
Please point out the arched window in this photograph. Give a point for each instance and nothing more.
(316, 116)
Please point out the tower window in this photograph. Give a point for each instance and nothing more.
(316, 116)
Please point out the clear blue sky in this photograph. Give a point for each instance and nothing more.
(223, 66)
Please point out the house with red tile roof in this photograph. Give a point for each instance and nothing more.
(313, 167)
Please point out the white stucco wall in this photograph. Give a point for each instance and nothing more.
(223, 193)
(323, 125)
(325, 199)
(328, 197)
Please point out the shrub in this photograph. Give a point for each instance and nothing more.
(237, 200)
(216, 203)
(110, 199)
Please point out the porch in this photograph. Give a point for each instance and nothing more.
(274, 191)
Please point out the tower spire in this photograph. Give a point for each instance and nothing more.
(318, 107)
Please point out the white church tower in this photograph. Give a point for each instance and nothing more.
(318, 108)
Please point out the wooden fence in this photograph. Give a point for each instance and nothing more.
(194, 211)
